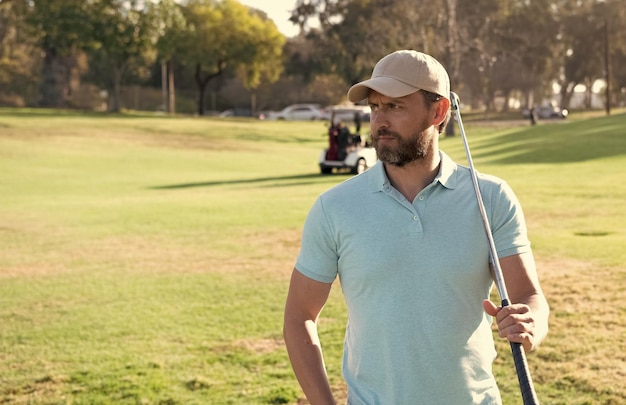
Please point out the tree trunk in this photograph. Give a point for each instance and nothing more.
(115, 105)
(51, 89)
(171, 91)
(202, 82)
(164, 95)
(201, 88)
(451, 54)
(507, 97)
(607, 68)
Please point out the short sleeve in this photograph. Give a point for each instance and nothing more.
(507, 222)
(318, 258)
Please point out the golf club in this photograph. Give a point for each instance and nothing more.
(519, 356)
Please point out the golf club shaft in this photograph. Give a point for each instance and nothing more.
(519, 356)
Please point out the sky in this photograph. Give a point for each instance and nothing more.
(279, 11)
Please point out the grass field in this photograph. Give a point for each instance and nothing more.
(145, 259)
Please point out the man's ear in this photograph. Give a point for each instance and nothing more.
(442, 111)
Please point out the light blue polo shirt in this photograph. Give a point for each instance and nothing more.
(414, 275)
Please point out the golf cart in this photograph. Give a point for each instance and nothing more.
(346, 151)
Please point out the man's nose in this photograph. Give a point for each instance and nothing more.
(378, 120)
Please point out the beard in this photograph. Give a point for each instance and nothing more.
(405, 151)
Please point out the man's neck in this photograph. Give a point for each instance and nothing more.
(412, 178)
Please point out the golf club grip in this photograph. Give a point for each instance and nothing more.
(529, 396)
(523, 375)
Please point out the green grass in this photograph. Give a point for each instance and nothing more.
(145, 259)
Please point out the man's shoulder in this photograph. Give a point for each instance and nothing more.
(365, 181)
(351, 190)
(483, 178)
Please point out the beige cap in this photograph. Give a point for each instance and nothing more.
(402, 73)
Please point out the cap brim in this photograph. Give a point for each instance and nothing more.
(386, 86)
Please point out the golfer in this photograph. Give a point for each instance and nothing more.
(414, 265)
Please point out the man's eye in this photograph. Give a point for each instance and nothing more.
(374, 107)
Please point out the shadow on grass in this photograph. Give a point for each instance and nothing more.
(278, 181)
(562, 142)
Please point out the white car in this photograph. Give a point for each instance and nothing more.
(547, 112)
(346, 113)
(299, 112)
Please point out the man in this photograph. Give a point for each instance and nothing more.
(414, 267)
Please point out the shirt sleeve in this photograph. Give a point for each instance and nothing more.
(318, 258)
(507, 222)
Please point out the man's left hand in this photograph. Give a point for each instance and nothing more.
(515, 323)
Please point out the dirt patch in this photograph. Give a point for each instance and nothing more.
(152, 137)
(584, 344)
(261, 346)
(49, 387)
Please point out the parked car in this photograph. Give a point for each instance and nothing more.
(546, 112)
(345, 113)
(299, 112)
(236, 112)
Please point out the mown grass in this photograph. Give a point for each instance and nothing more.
(145, 259)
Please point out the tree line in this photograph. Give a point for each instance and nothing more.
(220, 53)
(492, 48)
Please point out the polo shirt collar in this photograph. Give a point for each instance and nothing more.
(446, 176)
(447, 171)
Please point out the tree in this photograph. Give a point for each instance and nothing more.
(352, 36)
(581, 50)
(19, 70)
(123, 34)
(227, 38)
(613, 13)
(477, 41)
(61, 29)
(479, 59)
(527, 36)
(171, 27)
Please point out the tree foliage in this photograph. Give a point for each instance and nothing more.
(493, 49)
(227, 38)
(490, 47)
(171, 28)
(61, 30)
(124, 40)
(18, 69)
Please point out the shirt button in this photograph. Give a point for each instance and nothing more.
(416, 218)
(421, 198)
